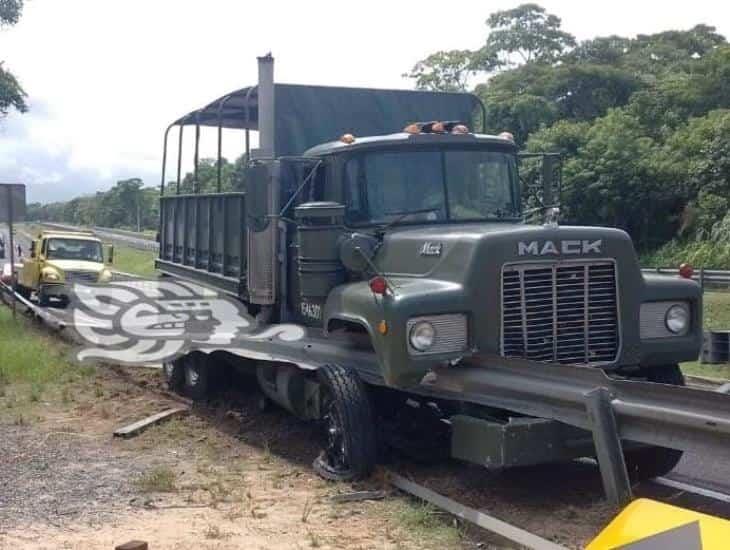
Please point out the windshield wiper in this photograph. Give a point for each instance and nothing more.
(404, 214)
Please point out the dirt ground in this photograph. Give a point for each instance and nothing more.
(227, 475)
(216, 478)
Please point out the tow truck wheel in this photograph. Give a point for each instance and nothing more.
(351, 445)
(43, 299)
(24, 292)
(174, 374)
(196, 375)
(650, 461)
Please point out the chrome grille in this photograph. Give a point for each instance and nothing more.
(82, 276)
(561, 312)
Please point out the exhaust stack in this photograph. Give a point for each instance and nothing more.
(266, 107)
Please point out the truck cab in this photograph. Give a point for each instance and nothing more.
(58, 259)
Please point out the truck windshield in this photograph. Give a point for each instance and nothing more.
(74, 249)
(437, 186)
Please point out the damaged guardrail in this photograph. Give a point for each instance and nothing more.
(612, 409)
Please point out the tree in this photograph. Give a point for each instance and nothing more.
(527, 31)
(12, 94)
(446, 71)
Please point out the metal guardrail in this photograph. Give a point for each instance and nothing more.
(712, 277)
(612, 409)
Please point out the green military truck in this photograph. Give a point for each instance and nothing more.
(401, 250)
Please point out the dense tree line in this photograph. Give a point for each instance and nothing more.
(130, 205)
(643, 123)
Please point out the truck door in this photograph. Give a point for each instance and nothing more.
(30, 274)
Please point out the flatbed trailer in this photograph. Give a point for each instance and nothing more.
(398, 286)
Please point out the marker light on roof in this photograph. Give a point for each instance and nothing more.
(507, 135)
(438, 127)
(460, 129)
(412, 129)
(347, 138)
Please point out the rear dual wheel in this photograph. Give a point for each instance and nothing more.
(189, 374)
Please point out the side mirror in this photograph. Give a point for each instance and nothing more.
(33, 249)
(110, 255)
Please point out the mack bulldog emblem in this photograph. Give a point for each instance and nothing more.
(556, 248)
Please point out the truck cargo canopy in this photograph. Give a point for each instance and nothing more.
(309, 115)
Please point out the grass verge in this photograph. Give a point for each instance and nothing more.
(137, 262)
(31, 364)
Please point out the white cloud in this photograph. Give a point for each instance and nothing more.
(106, 77)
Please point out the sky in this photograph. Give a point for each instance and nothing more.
(105, 77)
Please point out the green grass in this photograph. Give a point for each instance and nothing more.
(31, 364)
(428, 523)
(131, 260)
(160, 479)
(716, 313)
(27, 357)
(707, 254)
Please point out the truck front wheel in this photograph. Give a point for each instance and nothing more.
(351, 448)
(174, 374)
(196, 375)
(648, 462)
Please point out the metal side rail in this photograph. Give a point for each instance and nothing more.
(48, 318)
(612, 409)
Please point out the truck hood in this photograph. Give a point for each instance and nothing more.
(75, 265)
(458, 253)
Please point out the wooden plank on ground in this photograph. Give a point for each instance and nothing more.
(138, 427)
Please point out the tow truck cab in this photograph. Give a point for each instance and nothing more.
(58, 259)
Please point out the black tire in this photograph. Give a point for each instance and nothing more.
(196, 376)
(24, 292)
(351, 448)
(43, 299)
(648, 462)
(174, 374)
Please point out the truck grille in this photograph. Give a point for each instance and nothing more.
(82, 276)
(561, 312)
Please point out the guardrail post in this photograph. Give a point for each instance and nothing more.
(702, 279)
(608, 447)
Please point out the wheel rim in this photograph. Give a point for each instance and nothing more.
(191, 373)
(168, 369)
(336, 450)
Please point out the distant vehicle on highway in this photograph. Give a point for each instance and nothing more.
(58, 258)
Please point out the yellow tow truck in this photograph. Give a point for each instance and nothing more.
(58, 259)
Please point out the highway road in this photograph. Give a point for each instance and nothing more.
(699, 471)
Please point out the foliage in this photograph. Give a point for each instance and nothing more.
(527, 31)
(12, 94)
(446, 71)
(130, 205)
(643, 123)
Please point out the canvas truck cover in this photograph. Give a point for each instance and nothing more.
(306, 116)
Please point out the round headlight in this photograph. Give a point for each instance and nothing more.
(422, 335)
(677, 319)
(49, 275)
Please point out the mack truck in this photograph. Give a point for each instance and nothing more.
(392, 232)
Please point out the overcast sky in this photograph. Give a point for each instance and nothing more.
(105, 77)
